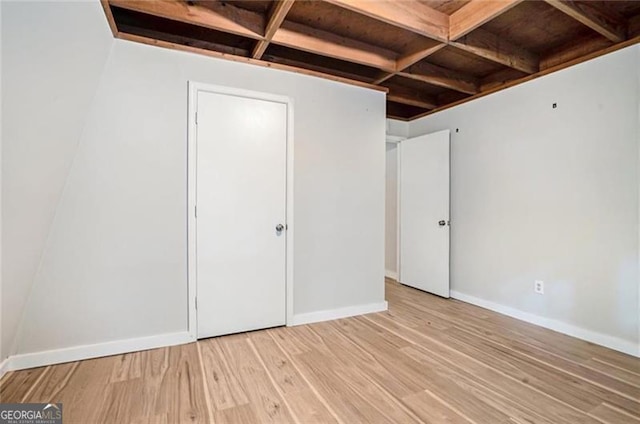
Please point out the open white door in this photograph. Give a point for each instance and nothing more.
(424, 213)
(241, 212)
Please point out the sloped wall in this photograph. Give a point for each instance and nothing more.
(49, 77)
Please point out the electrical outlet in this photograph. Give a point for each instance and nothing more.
(538, 286)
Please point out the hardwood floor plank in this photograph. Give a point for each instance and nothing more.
(223, 383)
(350, 405)
(16, 385)
(80, 389)
(428, 351)
(180, 393)
(513, 341)
(127, 367)
(426, 360)
(348, 352)
(263, 396)
(53, 382)
(277, 364)
(237, 414)
(611, 415)
(627, 376)
(579, 393)
(431, 410)
(122, 402)
(308, 408)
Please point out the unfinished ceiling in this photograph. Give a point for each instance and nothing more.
(428, 54)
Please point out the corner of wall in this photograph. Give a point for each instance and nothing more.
(397, 128)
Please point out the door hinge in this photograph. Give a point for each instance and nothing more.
(196, 303)
(195, 211)
(196, 118)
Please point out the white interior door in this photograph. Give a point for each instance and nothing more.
(241, 206)
(424, 213)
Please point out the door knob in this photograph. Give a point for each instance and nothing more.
(279, 228)
(442, 223)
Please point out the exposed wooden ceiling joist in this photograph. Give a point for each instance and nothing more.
(408, 59)
(278, 13)
(416, 56)
(411, 15)
(320, 42)
(410, 97)
(578, 48)
(442, 77)
(236, 58)
(216, 15)
(606, 23)
(404, 53)
(475, 14)
(489, 46)
(633, 29)
(109, 15)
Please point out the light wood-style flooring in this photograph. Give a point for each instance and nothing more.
(425, 360)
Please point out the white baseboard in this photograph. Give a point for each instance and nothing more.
(605, 340)
(4, 365)
(391, 274)
(77, 353)
(349, 311)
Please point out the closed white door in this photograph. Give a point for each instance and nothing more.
(241, 205)
(424, 213)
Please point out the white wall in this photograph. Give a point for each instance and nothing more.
(114, 263)
(49, 77)
(397, 128)
(551, 194)
(391, 212)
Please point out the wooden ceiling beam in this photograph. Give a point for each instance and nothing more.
(315, 68)
(324, 43)
(497, 79)
(415, 55)
(475, 14)
(216, 15)
(109, 15)
(605, 23)
(442, 77)
(575, 49)
(410, 97)
(633, 29)
(241, 59)
(411, 15)
(491, 47)
(278, 13)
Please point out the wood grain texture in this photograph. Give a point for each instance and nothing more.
(236, 58)
(476, 13)
(316, 41)
(279, 11)
(606, 23)
(442, 77)
(426, 360)
(215, 15)
(411, 15)
(491, 47)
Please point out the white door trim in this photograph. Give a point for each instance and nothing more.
(194, 88)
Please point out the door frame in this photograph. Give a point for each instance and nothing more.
(397, 140)
(192, 284)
